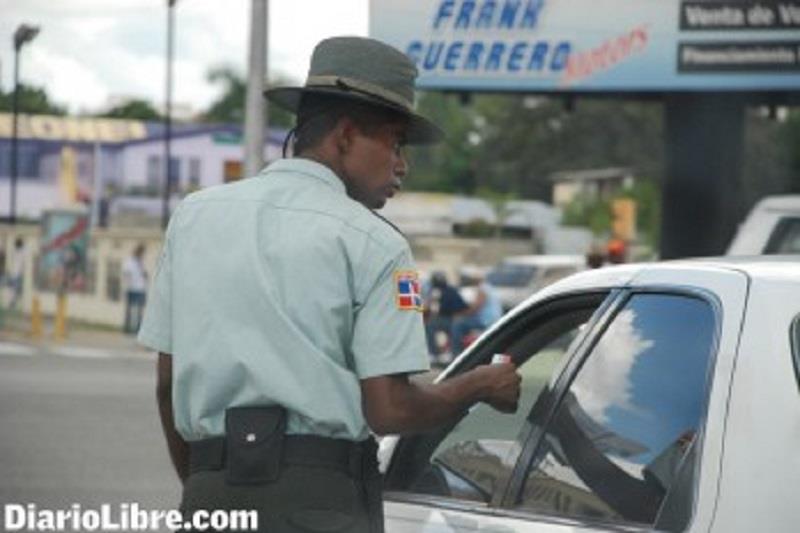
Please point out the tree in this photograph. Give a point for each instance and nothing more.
(525, 140)
(589, 212)
(596, 213)
(229, 107)
(134, 109)
(448, 166)
(770, 158)
(513, 143)
(500, 202)
(33, 100)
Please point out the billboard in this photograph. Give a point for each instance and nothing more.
(62, 264)
(596, 45)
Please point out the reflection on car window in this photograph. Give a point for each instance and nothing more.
(785, 239)
(510, 275)
(473, 458)
(483, 446)
(617, 441)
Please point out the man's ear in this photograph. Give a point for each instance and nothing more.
(346, 131)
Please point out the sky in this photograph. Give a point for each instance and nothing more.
(91, 50)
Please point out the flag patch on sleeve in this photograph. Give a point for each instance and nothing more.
(408, 295)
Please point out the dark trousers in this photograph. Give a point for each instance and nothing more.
(308, 496)
(433, 326)
(134, 309)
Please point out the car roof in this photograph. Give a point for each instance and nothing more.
(756, 267)
(767, 268)
(785, 202)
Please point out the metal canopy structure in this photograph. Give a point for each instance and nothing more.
(706, 60)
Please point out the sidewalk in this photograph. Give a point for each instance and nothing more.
(82, 340)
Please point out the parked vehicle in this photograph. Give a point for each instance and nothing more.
(517, 277)
(772, 227)
(655, 396)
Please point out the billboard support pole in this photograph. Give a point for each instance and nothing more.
(702, 191)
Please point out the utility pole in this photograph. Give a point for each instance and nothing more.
(24, 33)
(255, 106)
(168, 116)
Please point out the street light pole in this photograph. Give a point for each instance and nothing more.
(12, 217)
(254, 117)
(22, 35)
(168, 115)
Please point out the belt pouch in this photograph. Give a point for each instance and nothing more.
(254, 438)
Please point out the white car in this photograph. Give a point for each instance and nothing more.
(515, 278)
(771, 227)
(654, 397)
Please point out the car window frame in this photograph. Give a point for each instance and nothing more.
(480, 353)
(794, 341)
(519, 474)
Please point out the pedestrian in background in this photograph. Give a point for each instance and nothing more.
(484, 309)
(16, 273)
(288, 315)
(2, 284)
(442, 304)
(135, 278)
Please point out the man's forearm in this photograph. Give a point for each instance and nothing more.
(178, 449)
(414, 408)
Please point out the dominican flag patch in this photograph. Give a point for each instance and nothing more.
(407, 291)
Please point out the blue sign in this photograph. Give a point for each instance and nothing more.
(595, 45)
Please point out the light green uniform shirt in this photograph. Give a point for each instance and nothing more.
(280, 289)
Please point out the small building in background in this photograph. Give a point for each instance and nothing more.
(599, 184)
(448, 229)
(126, 156)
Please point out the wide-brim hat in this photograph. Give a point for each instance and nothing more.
(366, 70)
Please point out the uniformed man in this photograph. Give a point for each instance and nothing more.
(287, 313)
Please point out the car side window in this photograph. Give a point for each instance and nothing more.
(785, 238)
(618, 441)
(473, 458)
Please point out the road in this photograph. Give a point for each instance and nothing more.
(81, 430)
(78, 426)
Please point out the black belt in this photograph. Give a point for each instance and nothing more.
(357, 459)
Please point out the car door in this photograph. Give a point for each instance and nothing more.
(609, 443)
(455, 479)
(629, 444)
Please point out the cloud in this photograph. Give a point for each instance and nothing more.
(608, 370)
(63, 8)
(89, 50)
(68, 80)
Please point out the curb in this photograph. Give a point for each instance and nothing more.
(14, 348)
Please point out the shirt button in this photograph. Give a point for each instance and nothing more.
(251, 437)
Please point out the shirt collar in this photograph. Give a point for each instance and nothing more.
(309, 168)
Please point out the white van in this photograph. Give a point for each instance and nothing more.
(517, 277)
(772, 227)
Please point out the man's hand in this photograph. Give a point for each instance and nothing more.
(503, 386)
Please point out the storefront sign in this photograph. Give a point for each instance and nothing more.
(73, 129)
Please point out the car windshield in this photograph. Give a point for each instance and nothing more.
(511, 275)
